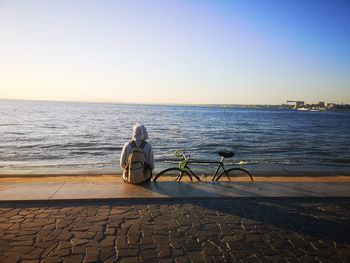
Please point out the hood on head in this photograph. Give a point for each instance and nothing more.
(139, 132)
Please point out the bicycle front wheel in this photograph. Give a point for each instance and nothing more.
(172, 171)
(235, 174)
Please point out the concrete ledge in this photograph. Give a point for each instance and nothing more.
(55, 191)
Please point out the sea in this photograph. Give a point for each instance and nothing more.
(45, 137)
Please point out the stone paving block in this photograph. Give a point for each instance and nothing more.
(52, 235)
(80, 234)
(27, 242)
(166, 260)
(22, 249)
(148, 254)
(208, 259)
(161, 240)
(4, 245)
(48, 250)
(128, 252)
(30, 261)
(278, 258)
(178, 252)
(62, 252)
(121, 243)
(228, 238)
(79, 241)
(73, 259)
(93, 243)
(16, 225)
(42, 234)
(92, 251)
(193, 245)
(295, 252)
(211, 252)
(110, 231)
(252, 259)
(34, 254)
(242, 254)
(148, 246)
(65, 235)
(196, 257)
(253, 237)
(78, 250)
(84, 227)
(164, 252)
(344, 250)
(64, 244)
(182, 259)
(108, 241)
(11, 258)
(133, 237)
(99, 236)
(147, 232)
(123, 231)
(91, 259)
(107, 255)
(228, 256)
(129, 260)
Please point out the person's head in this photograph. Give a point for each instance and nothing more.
(139, 132)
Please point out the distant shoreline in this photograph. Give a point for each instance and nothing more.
(209, 105)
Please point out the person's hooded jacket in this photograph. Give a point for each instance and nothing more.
(139, 135)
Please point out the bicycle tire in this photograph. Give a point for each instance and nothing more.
(235, 173)
(171, 170)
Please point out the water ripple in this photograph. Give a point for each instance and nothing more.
(55, 135)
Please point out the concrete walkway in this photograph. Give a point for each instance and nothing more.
(45, 191)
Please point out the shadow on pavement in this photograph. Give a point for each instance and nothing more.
(301, 219)
(300, 215)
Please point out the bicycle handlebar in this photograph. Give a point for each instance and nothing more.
(179, 153)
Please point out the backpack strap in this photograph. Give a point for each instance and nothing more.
(142, 145)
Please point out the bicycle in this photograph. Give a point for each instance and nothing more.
(184, 169)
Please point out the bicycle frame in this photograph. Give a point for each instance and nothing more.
(184, 166)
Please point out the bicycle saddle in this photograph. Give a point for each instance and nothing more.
(226, 153)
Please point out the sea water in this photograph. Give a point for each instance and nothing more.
(38, 137)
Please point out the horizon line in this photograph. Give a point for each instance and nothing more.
(156, 103)
(141, 103)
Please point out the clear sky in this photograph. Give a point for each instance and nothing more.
(174, 51)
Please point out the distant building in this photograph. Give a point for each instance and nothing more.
(330, 105)
(320, 106)
(297, 103)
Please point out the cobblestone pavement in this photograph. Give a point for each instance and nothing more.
(228, 230)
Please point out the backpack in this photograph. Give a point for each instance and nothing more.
(137, 170)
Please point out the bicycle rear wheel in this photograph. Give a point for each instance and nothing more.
(173, 171)
(235, 174)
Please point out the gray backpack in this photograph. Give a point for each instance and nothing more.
(137, 170)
